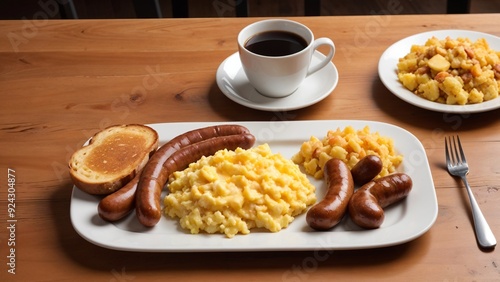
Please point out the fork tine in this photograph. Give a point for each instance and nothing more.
(452, 152)
(456, 158)
(462, 154)
(446, 141)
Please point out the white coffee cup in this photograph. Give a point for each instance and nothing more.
(280, 76)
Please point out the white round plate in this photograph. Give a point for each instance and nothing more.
(233, 82)
(387, 70)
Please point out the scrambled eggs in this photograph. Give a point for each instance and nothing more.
(350, 146)
(452, 71)
(234, 191)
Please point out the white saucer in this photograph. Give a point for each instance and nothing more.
(233, 82)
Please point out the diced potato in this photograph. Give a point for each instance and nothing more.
(476, 70)
(490, 91)
(475, 96)
(438, 63)
(422, 79)
(441, 51)
(429, 90)
(407, 65)
(453, 88)
(409, 80)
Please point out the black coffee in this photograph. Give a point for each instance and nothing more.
(275, 43)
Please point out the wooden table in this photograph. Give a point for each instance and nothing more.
(62, 81)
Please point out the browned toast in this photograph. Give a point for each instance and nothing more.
(112, 158)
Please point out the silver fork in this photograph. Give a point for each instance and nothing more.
(457, 166)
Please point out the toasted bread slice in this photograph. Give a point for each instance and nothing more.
(112, 158)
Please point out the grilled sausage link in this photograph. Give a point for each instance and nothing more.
(120, 203)
(148, 207)
(367, 203)
(366, 169)
(329, 211)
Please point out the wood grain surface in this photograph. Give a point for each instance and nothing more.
(62, 81)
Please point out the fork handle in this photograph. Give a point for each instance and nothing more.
(484, 235)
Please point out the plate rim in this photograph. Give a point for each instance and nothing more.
(239, 100)
(390, 81)
(106, 235)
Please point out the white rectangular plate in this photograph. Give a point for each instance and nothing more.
(403, 222)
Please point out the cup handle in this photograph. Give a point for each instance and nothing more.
(318, 42)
